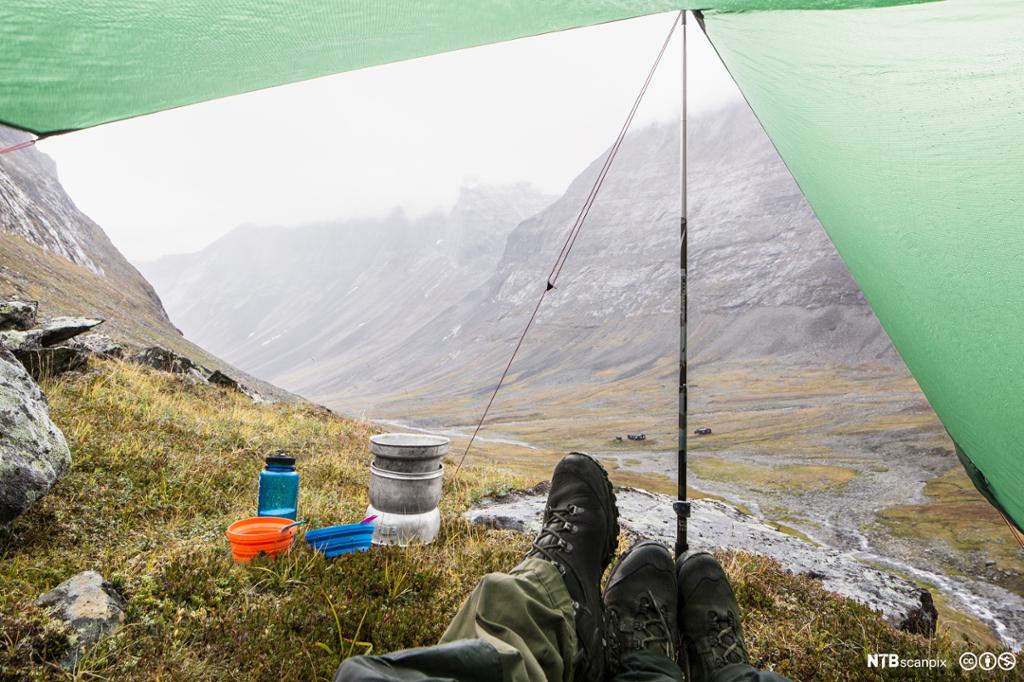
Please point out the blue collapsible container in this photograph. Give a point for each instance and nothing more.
(337, 540)
(279, 488)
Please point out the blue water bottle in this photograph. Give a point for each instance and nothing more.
(279, 488)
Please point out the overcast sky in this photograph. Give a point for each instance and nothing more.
(361, 143)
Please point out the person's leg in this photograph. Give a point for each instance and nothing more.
(709, 618)
(527, 616)
(543, 620)
(640, 602)
(514, 627)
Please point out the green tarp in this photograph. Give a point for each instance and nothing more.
(904, 127)
(70, 64)
(902, 122)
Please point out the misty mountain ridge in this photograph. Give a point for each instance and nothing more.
(342, 310)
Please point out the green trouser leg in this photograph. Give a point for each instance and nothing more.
(515, 627)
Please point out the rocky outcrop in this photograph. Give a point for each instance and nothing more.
(221, 379)
(50, 362)
(90, 605)
(37, 347)
(33, 453)
(17, 314)
(164, 360)
(54, 331)
(99, 345)
(49, 333)
(922, 619)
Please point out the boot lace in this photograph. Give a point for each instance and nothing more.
(556, 521)
(726, 643)
(649, 627)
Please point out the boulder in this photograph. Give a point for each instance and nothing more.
(17, 314)
(165, 361)
(49, 362)
(14, 340)
(33, 453)
(49, 333)
(220, 379)
(923, 619)
(59, 329)
(90, 605)
(99, 345)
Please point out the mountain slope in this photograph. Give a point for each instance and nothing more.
(272, 299)
(765, 283)
(53, 253)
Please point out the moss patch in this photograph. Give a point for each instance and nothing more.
(795, 479)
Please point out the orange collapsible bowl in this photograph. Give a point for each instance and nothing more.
(260, 535)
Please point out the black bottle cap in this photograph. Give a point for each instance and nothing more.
(281, 459)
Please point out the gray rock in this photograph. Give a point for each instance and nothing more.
(220, 379)
(14, 340)
(99, 345)
(498, 522)
(49, 362)
(90, 605)
(166, 361)
(49, 333)
(33, 453)
(18, 314)
(194, 377)
(59, 329)
(922, 620)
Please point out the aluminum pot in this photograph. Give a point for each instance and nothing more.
(410, 452)
(401, 492)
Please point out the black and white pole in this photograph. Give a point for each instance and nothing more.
(682, 506)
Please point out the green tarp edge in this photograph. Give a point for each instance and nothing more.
(903, 128)
(72, 64)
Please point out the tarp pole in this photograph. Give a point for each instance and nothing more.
(682, 506)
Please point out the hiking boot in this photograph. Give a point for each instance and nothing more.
(579, 537)
(640, 603)
(709, 619)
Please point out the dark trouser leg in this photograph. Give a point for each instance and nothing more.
(516, 627)
(647, 666)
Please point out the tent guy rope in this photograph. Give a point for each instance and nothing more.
(570, 241)
(20, 145)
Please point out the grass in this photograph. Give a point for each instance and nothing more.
(161, 468)
(794, 479)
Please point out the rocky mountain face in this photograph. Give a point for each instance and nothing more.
(34, 206)
(434, 306)
(55, 256)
